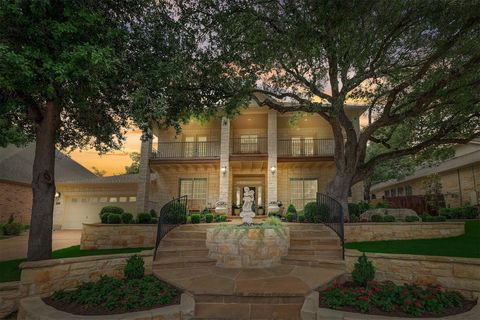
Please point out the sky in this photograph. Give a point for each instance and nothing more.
(114, 162)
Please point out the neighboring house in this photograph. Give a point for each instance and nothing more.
(213, 162)
(16, 165)
(460, 178)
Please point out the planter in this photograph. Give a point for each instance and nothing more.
(236, 211)
(34, 308)
(260, 211)
(247, 247)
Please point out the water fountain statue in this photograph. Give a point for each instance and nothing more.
(247, 214)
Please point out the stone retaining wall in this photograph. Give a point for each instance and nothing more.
(369, 231)
(9, 296)
(42, 278)
(111, 236)
(458, 274)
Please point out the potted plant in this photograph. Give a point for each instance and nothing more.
(236, 209)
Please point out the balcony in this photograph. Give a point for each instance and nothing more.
(187, 150)
(304, 148)
(249, 145)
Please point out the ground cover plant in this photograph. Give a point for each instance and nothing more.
(110, 295)
(466, 245)
(10, 271)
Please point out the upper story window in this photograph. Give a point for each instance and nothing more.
(249, 143)
(302, 146)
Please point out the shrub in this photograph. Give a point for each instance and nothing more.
(220, 218)
(144, 218)
(363, 271)
(376, 218)
(153, 213)
(111, 209)
(388, 218)
(176, 214)
(154, 220)
(134, 268)
(382, 204)
(301, 218)
(12, 228)
(356, 209)
(291, 217)
(127, 217)
(273, 221)
(470, 212)
(114, 219)
(354, 219)
(310, 211)
(411, 218)
(205, 211)
(195, 218)
(291, 209)
(429, 218)
(104, 217)
(208, 218)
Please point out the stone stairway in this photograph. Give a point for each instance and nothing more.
(314, 245)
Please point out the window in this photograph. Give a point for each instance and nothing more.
(408, 190)
(132, 199)
(196, 191)
(103, 199)
(113, 199)
(400, 191)
(303, 191)
(296, 146)
(122, 199)
(189, 147)
(387, 193)
(248, 143)
(308, 146)
(202, 146)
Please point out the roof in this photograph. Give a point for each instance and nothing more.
(451, 164)
(16, 165)
(122, 178)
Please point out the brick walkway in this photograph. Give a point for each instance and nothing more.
(16, 247)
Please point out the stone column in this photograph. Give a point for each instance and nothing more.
(144, 176)
(222, 205)
(272, 162)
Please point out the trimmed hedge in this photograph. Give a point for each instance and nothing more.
(388, 218)
(301, 218)
(111, 209)
(221, 218)
(412, 219)
(114, 218)
(310, 211)
(127, 217)
(429, 218)
(144, 218)
(195, 218)
(291, 217)
(12, 228)
(208, 218)
(467, 212)
(376, 218)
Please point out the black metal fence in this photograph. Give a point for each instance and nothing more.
(187, 150)
(306, 147)
(249, 145)
(172, 214)
(330, 213)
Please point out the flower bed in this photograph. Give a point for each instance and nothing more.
(387, 298)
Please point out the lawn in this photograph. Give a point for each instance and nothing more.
(467, 245)
(10, 271)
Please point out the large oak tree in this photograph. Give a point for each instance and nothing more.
(413, 64)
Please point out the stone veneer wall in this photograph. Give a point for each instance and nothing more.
(459, 274)
(9, 296)
(111, 236)
(42, 278)
(367, 231)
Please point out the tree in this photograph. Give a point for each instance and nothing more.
(98, 172)
(414, 63)
(135, 166)
(67, 76)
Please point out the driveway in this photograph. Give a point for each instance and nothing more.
(16, 247)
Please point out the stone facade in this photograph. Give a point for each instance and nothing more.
(42, 278)
(16, 200)
(369, 231)
(458, 274)
(34, 308)
(9, 296)
(111, 236)
(247, 248)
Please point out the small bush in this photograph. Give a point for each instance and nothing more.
(363, 271)
(111, 209)
(429, 218)
(127, 217)
(12, 228)
(412, 219)
(153, 213)
(220, 218)
(205, 211)
(144, 218)
(195, 218)
(377, 218)
(291, 217)
(176, 214)
(382, 204)
(301, 218)
(134, 269)
(154, 220)
(291, 209)
(388, 218)
(114, 219)
(310, 211)
(104, 217)
(354, 219)
(208, 218)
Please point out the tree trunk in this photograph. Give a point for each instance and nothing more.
(339, 188)
(43, 184)
(366, 189)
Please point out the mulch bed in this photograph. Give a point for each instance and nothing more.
(78, 309)
(398, 312)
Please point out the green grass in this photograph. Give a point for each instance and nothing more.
(10, 271)
(466, 246)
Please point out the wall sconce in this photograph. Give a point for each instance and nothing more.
(223, 170)
(57, 195)
(273, 169)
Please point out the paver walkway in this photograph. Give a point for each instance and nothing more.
(16, 247)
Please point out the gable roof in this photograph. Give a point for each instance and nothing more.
(16, 165)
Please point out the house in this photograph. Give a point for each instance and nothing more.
(459, 176)
(16, 165)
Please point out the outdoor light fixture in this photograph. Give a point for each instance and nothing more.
(223, 170)
(57, 195)
(273, 169)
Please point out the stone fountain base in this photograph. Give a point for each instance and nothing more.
(247, 247)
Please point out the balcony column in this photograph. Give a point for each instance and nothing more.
(143, 187)
(222, 206)
(272, 162)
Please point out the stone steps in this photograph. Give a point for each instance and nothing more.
(301, 234)
(324, 262)
(183, 262)
(314, 241)
(172, 242)
(182, 234)
(169, 252)
(334, 252)
(246, 311)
